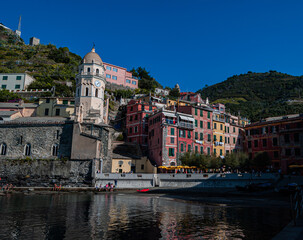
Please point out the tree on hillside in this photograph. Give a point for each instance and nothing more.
(146, 81)
(175, 93)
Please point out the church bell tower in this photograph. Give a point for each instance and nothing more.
(90, 87)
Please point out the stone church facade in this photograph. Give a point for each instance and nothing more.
(47, 150)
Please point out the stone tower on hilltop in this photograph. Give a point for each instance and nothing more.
(90, 86)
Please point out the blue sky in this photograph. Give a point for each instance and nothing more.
(192, 43)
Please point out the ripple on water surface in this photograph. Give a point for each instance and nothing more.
(131, 216)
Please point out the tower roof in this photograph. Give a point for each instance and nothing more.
(92, 57)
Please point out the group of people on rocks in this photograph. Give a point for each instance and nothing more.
(109, 187)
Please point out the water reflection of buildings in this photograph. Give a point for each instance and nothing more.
(130, 216)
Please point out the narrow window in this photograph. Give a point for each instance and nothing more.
(58, 112)
(3, 149)
(57, 134)
(88, 69)
(27, 151)
(46, 111)
(96, 93)
(55, 150)
(97, 71)
(172, 131)
(86, 91)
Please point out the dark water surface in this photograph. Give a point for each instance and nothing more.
(131, 216)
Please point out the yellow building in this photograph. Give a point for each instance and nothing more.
(218, 134)
(56, 107)
(127, 157)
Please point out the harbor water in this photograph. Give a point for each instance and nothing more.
(132, 216)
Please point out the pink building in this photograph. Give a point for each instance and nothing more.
(120, 76)
(169, 135)
(203, 133)
(234, 134)
(136, 121)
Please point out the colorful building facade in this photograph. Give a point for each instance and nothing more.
(120, 76)
(280, 137)
(218, 133)
(202, 136)
(170, 135)
(136, 121)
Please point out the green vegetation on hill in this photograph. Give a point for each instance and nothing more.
(258, 95)
(146, 81)
(49, 65)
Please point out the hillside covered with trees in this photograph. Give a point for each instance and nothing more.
(49, 65)
(258, 95)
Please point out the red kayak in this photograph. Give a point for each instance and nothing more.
(143, 190)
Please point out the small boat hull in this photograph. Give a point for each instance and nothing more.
(143, 190)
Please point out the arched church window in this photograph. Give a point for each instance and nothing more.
(96, 93)
(3, 148)
(86, 91)
(88, 69)
(27, 150)
(97, 71)
(55, 150)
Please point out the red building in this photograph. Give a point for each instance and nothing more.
(136, 121)
(280, 137)
(203, 133)
(170, 134)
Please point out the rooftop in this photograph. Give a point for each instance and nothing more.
(17, 105)
(7, 113)
(38, 120)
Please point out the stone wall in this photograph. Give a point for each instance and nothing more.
(46, 173)
(40, 136)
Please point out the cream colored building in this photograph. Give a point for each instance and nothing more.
(56, 106)
(90, 86)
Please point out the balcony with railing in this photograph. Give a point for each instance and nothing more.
(91, 74)
(219, 118)
(186, 125)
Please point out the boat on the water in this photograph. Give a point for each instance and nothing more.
(143, 190)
